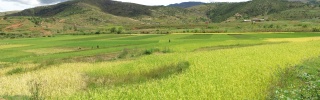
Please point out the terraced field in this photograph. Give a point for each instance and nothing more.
(174, 66)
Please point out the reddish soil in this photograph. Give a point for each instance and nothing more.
(14, 26)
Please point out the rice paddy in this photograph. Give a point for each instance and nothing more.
(174, 66)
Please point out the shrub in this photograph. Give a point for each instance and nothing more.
(151, 51)
(315, 29)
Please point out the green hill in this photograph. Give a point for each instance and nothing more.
(251, 9)
(100, 15)
(308, 1)
(103, 16)
(77, 6)
(186, 4)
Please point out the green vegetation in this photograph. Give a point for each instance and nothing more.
(107, 16)
(104, 49)
(251, 9)
(123, 66)
(299, 82)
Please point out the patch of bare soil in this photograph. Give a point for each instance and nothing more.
(13, 26)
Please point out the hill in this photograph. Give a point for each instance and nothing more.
(130, 11)
(307, 1)
(91, 16)
(251, 9)
(77, 6)
(8, 13)
(186, 4)
(104, 16)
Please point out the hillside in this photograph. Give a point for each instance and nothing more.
(91, 16)
(7, 13)
(103, 16)
(251, 9)
(307, 1)
(75, 7)
(145, 14)
(186, 4)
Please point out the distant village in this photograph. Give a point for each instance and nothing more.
(253, 20)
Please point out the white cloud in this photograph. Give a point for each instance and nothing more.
(9, 5)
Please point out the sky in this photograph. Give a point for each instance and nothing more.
(13, 5)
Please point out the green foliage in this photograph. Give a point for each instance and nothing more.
(72, 7)
(16, 71)
(129, 53)
(299, 82)
(316, 29)
(251, 9)
(36, 20)
(226, 70)
(235, 78)
(46, 11)
(151, 51)
(224, 11)
(186, 4)
(116, 30)
(98, 79)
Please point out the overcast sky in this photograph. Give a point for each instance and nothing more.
(11, 5)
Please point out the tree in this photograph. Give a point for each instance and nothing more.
(119, 30)
(5, 18)
(113, 29)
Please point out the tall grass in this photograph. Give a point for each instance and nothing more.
(240, 73)
(233, 73)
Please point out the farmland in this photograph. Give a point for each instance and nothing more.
(154, 66)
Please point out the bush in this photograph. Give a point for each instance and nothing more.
(315, 29)
(98, 32)
(151, 51)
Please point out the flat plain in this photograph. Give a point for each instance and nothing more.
(129, 66)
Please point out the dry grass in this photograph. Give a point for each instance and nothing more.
(293, 39)
(45, 51)
(11, 67)
(7, 46)
(55, 81)
(4, 62)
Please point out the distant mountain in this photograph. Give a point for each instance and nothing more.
(186, 4)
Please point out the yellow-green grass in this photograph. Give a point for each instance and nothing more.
(293, 39)
(45, 51)
(3, 62)
(12, 67)
(238, 73)
(232, 73)
(6, 46)
(55, 81)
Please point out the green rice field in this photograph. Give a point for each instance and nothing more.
(250, 66)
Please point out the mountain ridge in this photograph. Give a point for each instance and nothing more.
(101, 15)
(186, 4)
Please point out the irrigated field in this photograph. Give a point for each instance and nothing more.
(174, 66)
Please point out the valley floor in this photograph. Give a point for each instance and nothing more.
(174, 66)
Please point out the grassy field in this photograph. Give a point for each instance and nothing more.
(173, 66)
